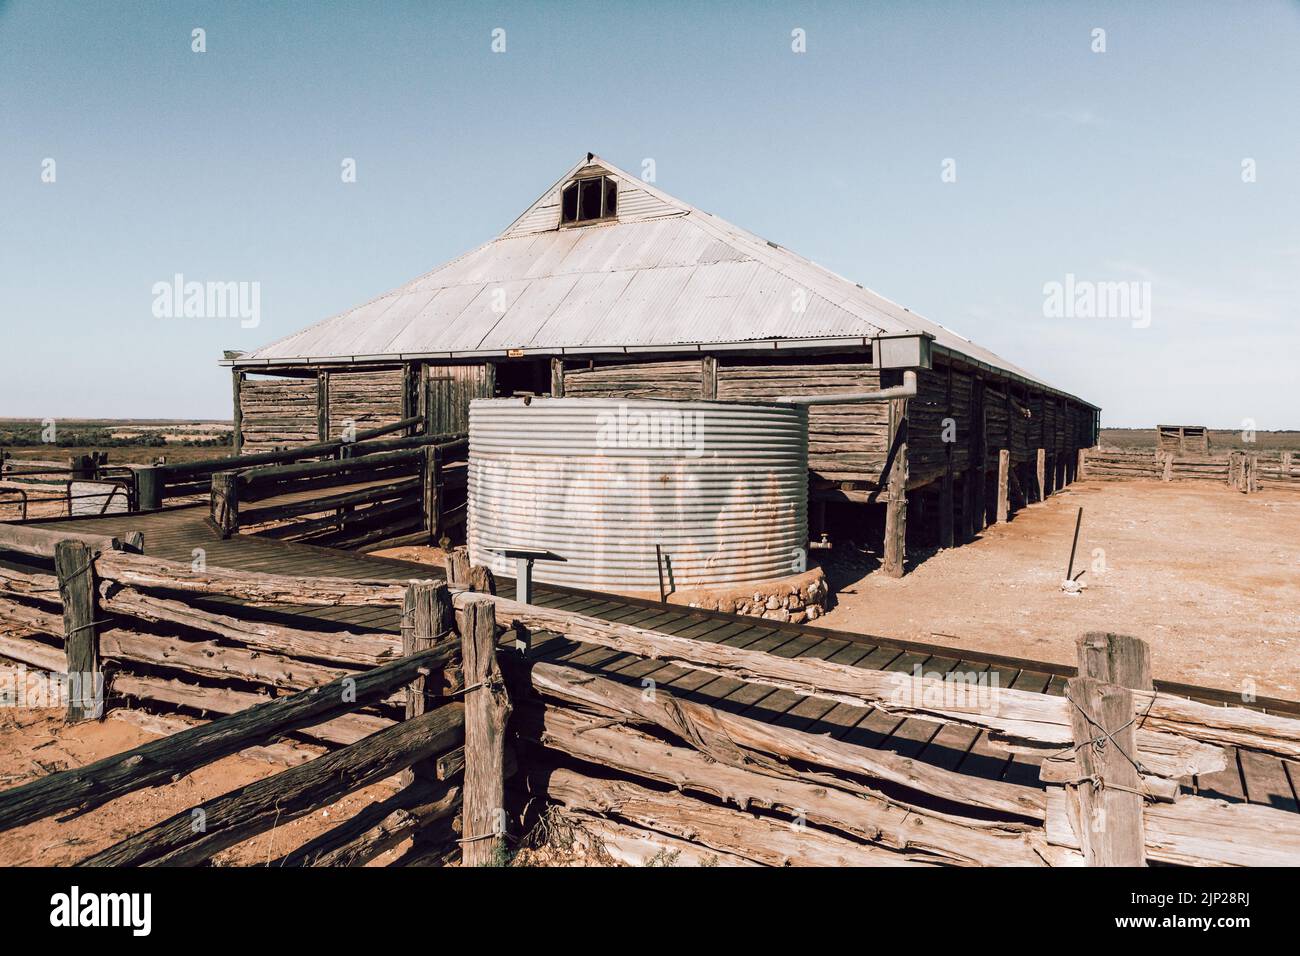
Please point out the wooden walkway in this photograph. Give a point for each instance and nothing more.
(180, 534)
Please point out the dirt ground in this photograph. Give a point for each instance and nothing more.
(1210, 577)
(36, 742)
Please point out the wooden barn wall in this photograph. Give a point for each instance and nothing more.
(672, 380)
(845, 442)
(1048, 428)
(366, 399)
(1035, 429)
(996, 421)
(963, 411)
(1059, 420)
(277, 413)
(1022, 449)
(1076, 426)
(1022, 423)
(927, 455)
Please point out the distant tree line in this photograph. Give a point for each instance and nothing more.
(32, 435)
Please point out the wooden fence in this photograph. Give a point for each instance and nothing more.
(372, 704)
(405, 490)
(156, 485)
(1240, 470)
(648, 770)
(638, 770)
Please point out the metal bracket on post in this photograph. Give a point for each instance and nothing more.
(524, 558)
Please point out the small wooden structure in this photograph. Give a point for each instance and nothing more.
(1183, 439)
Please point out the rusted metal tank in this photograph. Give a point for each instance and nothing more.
(712, 494)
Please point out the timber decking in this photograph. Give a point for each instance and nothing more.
(178, 534)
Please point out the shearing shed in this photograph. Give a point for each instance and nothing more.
(607, 287)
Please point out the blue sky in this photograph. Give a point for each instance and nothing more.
(1117, 166)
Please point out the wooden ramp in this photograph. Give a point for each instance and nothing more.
(183, 534)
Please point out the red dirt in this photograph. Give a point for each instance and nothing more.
(36, 742)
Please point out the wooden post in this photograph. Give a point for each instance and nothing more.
(432, 488)
(1115, 659)
(225, 502)
(1113, 665)
(424, 398)
(1083, 458)
(148, 488)
(74, 565)
(946, 529)
(81, 467)
(1167, 466)
(557, 378)
(709, 377)
(458, 568)
(1004, 477)
(323, 406)
(237, 415)
(482, 580)
(427, 618)
(1106, 801)
(896, 507)
(409, 401)
(487, 708)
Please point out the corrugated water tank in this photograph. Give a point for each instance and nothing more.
(719, 487)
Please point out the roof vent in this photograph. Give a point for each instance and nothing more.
(588, 200)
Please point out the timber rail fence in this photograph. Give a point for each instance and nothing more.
(400, 491)
(1243, 471)
(343, 710)
(388, 491)
(157, 484)
(481, 723)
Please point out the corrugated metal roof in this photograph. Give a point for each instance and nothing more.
(663, 274)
